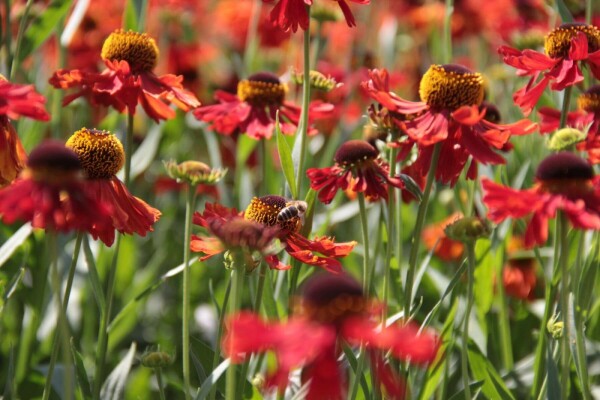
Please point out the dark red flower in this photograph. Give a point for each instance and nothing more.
(566, 47)
(332, 310)
(450, 113)
(359, 168)
(565, 183)
(291, 14)
(51, 194)
(321, 252)
(102, 156)
(254, 108)
(128, 79)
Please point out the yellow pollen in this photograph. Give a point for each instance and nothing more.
(138, 49)
(558, 42)
(261, 94)
(449, 87)
(589, 102)
(265, 210)
(100, 152)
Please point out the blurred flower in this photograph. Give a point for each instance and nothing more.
(51, 194)
(254, 108)
(468, 229)
(449, 114)
(565, 47)
(128, 80)
(16, 101)
(101, 155)
(332, 310)
(519, 278)
(359, 168)
(261, 219)
(434, 238)
(194, 172)
(564, 182)
(289, 14)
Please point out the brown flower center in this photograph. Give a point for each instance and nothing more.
(558, 42)
(354, 152)
(261, 90)
(565, 173)
(265, 210)
(138, 49)
(100, 152)
(451, 86)
(589, 101)
(51, 162)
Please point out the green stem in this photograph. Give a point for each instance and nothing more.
(465, 334)
(303, 126)
(251, 40)
(57, 332)
(391, 209)
(237, 277)
(447, 34)
(189, 209)
(539, 373)
(416, 239)
(103, 331)
(142, 17)
(503, 321)
(359, 372)
(159, 380)
(128, 148)
(588, 12)
(580, 354)
(564, 305)
(565, 106)
(217, 355)
(15, 60)
(364, 224)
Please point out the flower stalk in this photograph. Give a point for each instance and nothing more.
(391, 209)
(364, 223)
(565, 357)
(189, 209)
(128, 148)
(235, 301)
(471, 262)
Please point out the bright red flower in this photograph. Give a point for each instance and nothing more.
(359, 168)
(291, 14)
(450, 113)
(102, 156)
(565, 183)
(51, 195)
(332, 310)
(128, 79)
(254, 108)
(519, 278)
(16, 101)
(321, 252)
(566, 47)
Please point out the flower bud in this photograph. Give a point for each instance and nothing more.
(156, 359)
(555, 328)
(194, 172)
(468, 229)
(565, 138)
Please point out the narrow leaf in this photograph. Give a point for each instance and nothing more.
(411, 186)
(285, 156)
(93, 275)
(483, 370)
(564, 12)
(130, 16)
(80, 373)
(14, 242)
(115, 383)
(211, 379)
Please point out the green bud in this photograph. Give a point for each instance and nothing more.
(565, 138)
(194, 172)
(555, 327)
(318, 81)
(156, 359)
(468, 229)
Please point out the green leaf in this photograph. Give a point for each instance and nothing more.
(10, 375)
(564, 12)
(12, 286)
(483, 370)
(455, 279)
(130, 16)
(146, 153)
(484, 280)
(353, 361)
(412, 186)
(553, 391)
(43, 26)
(309, 215)
(93, 275)
(269, 302)
(475, 386)
(14, 242)
(80, 373)
(285, 156)
(113, 387)
(212, 379)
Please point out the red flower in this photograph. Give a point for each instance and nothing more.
(128, 79)
(566, 46)
(289, 14)
(359, 168)
(321, 252)
(254, 108)
(449, 114)
(519, 278)
(565, 182)
(332, 310)
(15, 101)
(101, 155)
(434, 238)
(50, 194)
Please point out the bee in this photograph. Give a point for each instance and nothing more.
(292, 209)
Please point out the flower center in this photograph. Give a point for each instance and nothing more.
(589, 101)
(354, 152)
(100, 152)
(328, 298)
(261, 90)
(51, 162)
(240, 232)
(138, 49)
(558, 42)
(265, 210)
(565, 173)
(451, 86)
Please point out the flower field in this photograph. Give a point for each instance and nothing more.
(299, 199)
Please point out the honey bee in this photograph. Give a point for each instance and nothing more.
(292, 209)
